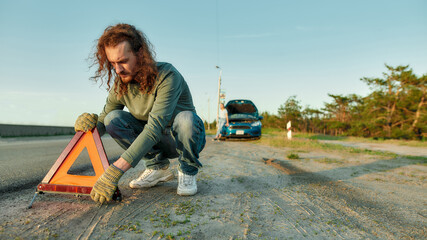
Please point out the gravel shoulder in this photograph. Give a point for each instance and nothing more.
(246, 191)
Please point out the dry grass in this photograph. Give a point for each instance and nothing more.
(277, 138)
(410, 143)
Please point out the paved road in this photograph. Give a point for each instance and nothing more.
(245, 191)
(25, 161)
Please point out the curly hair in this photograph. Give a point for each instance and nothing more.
(141, 47)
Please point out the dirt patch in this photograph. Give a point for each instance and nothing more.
(246, 191)
(283, 166)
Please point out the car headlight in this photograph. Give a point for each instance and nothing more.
(256, 124)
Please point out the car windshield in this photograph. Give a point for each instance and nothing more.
(242, 116)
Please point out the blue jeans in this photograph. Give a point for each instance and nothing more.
(221, 123)
(185, 139)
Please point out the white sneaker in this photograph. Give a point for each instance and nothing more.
(150, 178)
(187, 185)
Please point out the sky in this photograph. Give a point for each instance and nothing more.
(267, 51)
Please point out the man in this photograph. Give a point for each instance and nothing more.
(161, 123)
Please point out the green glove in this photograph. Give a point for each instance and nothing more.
(86, 122)
(106, 185)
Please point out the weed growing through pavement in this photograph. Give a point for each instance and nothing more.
(164, 216)
(134, 227)
(293, 156)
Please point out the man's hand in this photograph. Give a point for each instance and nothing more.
(106, 185)
(86, 122)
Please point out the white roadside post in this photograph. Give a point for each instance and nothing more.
(288, 126)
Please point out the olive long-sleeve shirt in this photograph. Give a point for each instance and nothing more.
(170, 96)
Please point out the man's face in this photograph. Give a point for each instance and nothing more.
(123, 60)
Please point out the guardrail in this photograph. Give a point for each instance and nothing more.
(12, 130)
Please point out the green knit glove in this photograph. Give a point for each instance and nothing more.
(106, 185)
(86, 122)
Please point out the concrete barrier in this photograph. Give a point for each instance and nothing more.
(11, 130)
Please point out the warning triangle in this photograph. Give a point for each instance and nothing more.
(59, 180)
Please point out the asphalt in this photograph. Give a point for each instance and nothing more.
(24, 161)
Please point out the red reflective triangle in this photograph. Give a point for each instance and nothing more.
(58, 180)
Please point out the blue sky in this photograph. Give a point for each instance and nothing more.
(267, 50)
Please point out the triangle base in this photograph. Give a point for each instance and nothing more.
(71, 189)
(56, 188)
(57, 180)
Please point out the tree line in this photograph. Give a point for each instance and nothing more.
(395, 108)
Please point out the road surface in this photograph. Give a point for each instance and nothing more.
(245, 191)
(25, 161)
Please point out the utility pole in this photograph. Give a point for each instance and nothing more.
(209, 113)
(219, 92)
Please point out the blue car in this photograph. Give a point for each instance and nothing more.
(244, 120)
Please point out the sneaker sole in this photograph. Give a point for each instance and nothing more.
(185, 193)
(152, 184)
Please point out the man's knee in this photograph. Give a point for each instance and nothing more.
(112, 120)
(184, 123)
(111, 116)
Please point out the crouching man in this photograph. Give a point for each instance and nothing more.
(161, 122)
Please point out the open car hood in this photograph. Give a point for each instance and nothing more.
(242, 109)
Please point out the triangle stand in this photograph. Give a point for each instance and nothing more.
(57, 180)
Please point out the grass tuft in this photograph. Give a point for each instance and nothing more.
(293, 156)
